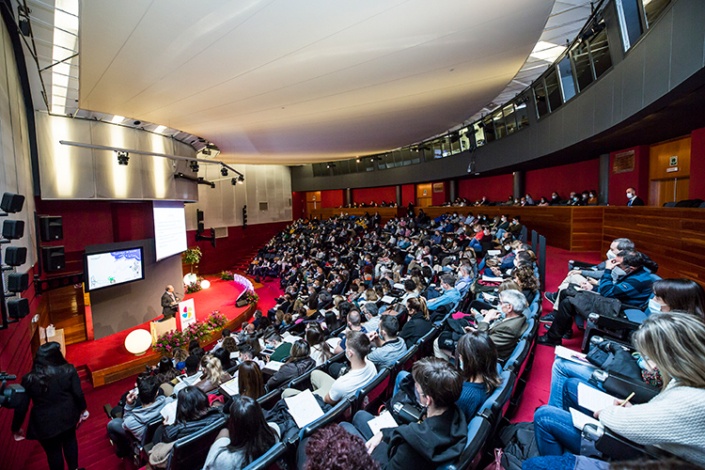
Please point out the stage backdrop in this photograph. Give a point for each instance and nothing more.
(121, 307)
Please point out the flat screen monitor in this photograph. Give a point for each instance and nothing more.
(169, 228)
(112, 268)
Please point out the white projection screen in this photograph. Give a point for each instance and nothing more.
(169, 228)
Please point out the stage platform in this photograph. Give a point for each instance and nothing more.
(106, 360)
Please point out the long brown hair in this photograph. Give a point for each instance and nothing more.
(249, 380)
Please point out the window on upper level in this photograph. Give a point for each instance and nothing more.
(565, 70)
(553, 90)
(629, 21)
(600, 53)
(653, 9)
(541, 98)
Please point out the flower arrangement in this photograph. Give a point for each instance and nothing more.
(195, 286)
(251, 297)
(172, 340)
(227, 275)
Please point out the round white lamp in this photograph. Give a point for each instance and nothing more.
(190, 278)
(205, 284)
(138, 342)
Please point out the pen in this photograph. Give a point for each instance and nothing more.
(579, 358)
(631, 395)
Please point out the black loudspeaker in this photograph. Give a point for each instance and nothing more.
(13, 229)
(51, 228)
(15, 255)
(11, 203)
(18, 308)
(53, 258)
(199, 215)
(17, 282)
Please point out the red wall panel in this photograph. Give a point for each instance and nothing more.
(637, 179)
(697, 164)
(298, 204)
(441, 197)
(383, 193)
(496, 188)
(578, 177)
(240, 244)
(408, 194)
(332, 198)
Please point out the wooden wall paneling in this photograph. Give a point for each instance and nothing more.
(586, 229)
(673, 237)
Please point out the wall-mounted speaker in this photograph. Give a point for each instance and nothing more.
(13, 229)
(51, 228)
(53, 258)
(11, 203)
(17, 282)
(15, 255)
(18, 308)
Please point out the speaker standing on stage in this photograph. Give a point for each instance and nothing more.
(170, 303)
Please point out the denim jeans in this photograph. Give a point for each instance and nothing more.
(555, 433)
(397, 382)
(562, 370)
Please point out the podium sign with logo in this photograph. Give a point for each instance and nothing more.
(187, 314)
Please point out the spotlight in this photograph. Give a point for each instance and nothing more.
(224, 171)
(194, 166)
(123, 158)
(241, 178)
(233, 181)
(206, 151)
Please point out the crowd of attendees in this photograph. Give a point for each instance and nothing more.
(364, 293)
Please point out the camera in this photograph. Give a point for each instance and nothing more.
(10, 395)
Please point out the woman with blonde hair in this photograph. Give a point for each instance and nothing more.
(672, 420)
(213, 374)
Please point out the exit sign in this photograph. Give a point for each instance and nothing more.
(673, 161)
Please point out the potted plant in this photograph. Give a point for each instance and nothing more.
(192, 256)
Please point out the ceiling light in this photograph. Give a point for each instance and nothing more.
(233, 181)
(123, 158)
(194, 166)
(241, 178)
(547, 51)
(224, 171)
(117, 119)
(160, 129)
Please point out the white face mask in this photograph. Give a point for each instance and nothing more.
(610, 254)
(654, 307)
(630, 195)
(507, 247)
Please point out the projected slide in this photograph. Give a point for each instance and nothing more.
(115, 267)
(169, 228)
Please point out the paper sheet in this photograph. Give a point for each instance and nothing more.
(383, 421)
(304, 408)
(573, 356)
(593, 399)
(274, 365)
(388, 299)
(168, 412)
(494, 252)
(487, 278)
(230, 387)
(581, 419)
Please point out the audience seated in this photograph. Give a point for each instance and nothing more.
(675, 343)
(193, 413)
(438, 439)
(213, 374)
(137, 414)
(632, 290)
(333, 447)
(418, 323)
(246, 437)
(299, 363)
(388, 347)
(249, 379)
(361, 372)
(321, 351)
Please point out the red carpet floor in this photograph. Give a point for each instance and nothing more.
(538, 387)
(95, 451)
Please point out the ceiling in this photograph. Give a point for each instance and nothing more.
(291, 82)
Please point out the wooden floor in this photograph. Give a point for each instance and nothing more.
(66, 307)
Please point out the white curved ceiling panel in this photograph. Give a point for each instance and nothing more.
(282, 81)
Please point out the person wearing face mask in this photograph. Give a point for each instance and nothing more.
(504, 326)
(634, 200)
(669, 295)
(582, 273)
(449, 297)
(633, 290)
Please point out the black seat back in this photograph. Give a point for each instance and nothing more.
(191, 451)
